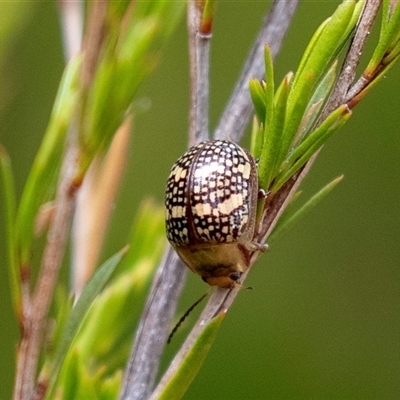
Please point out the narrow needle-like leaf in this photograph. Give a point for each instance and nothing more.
(329, 41)
(312, 143)
(191, 364)
(258, 98)
(271, 139)
(285, 224)
(91, 290)
(41, 181)
(10, 211)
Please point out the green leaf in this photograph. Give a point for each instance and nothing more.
(256, 139)
(310, 48)
(326, 44)
(70, 386)
(271, 136)
(258, 98)
(41, 182)
(315, 105)
(312, 143)
(323, 49)
(80, 382)
(280, 101)
(147, 237)
(286, 223)
(388, 46)
(115, 12)
(10, 211)
(191, 364)
(104, 339)
(128, 56)
(110, 387)
(91, 290)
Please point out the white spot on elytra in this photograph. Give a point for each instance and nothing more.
(232, 203)
(245, 170)
(202, 209)
(177, 211)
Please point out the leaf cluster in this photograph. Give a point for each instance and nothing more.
(91, 339)
(291, 125)
(92, 346)
(288, 133)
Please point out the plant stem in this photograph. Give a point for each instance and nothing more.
(341, 93)
(35, 314)
(369, 13)
(222, 299)
(93, 40)
(154, 326)
(168, 284)
(239, 109)
(199, 55)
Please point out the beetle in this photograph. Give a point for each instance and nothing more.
(211, 206)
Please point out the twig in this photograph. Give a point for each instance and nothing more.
(370, 12)
(341, 94)
(36, 312)
(92, 42)
(239, 109)
(223, 298)
(34, 318)
(199, 54)
(153, 330)
(152, 333)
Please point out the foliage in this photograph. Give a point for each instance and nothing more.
(295, 121)
(92, 337)
(93, 100)
(95, 355)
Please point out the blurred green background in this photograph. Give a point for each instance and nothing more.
(323, 318)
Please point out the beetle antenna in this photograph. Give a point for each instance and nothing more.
(184, 316)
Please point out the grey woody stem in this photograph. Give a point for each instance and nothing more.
(35, 315)
(344, 91)
(139, 379)
(239, 109)
(370, 12)
(153, 328)
(221, 299)
(154, 325)
(199, 54)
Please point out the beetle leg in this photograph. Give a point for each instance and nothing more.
(254, 246)
(262, 194)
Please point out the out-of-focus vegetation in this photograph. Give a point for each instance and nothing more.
(322, 320)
